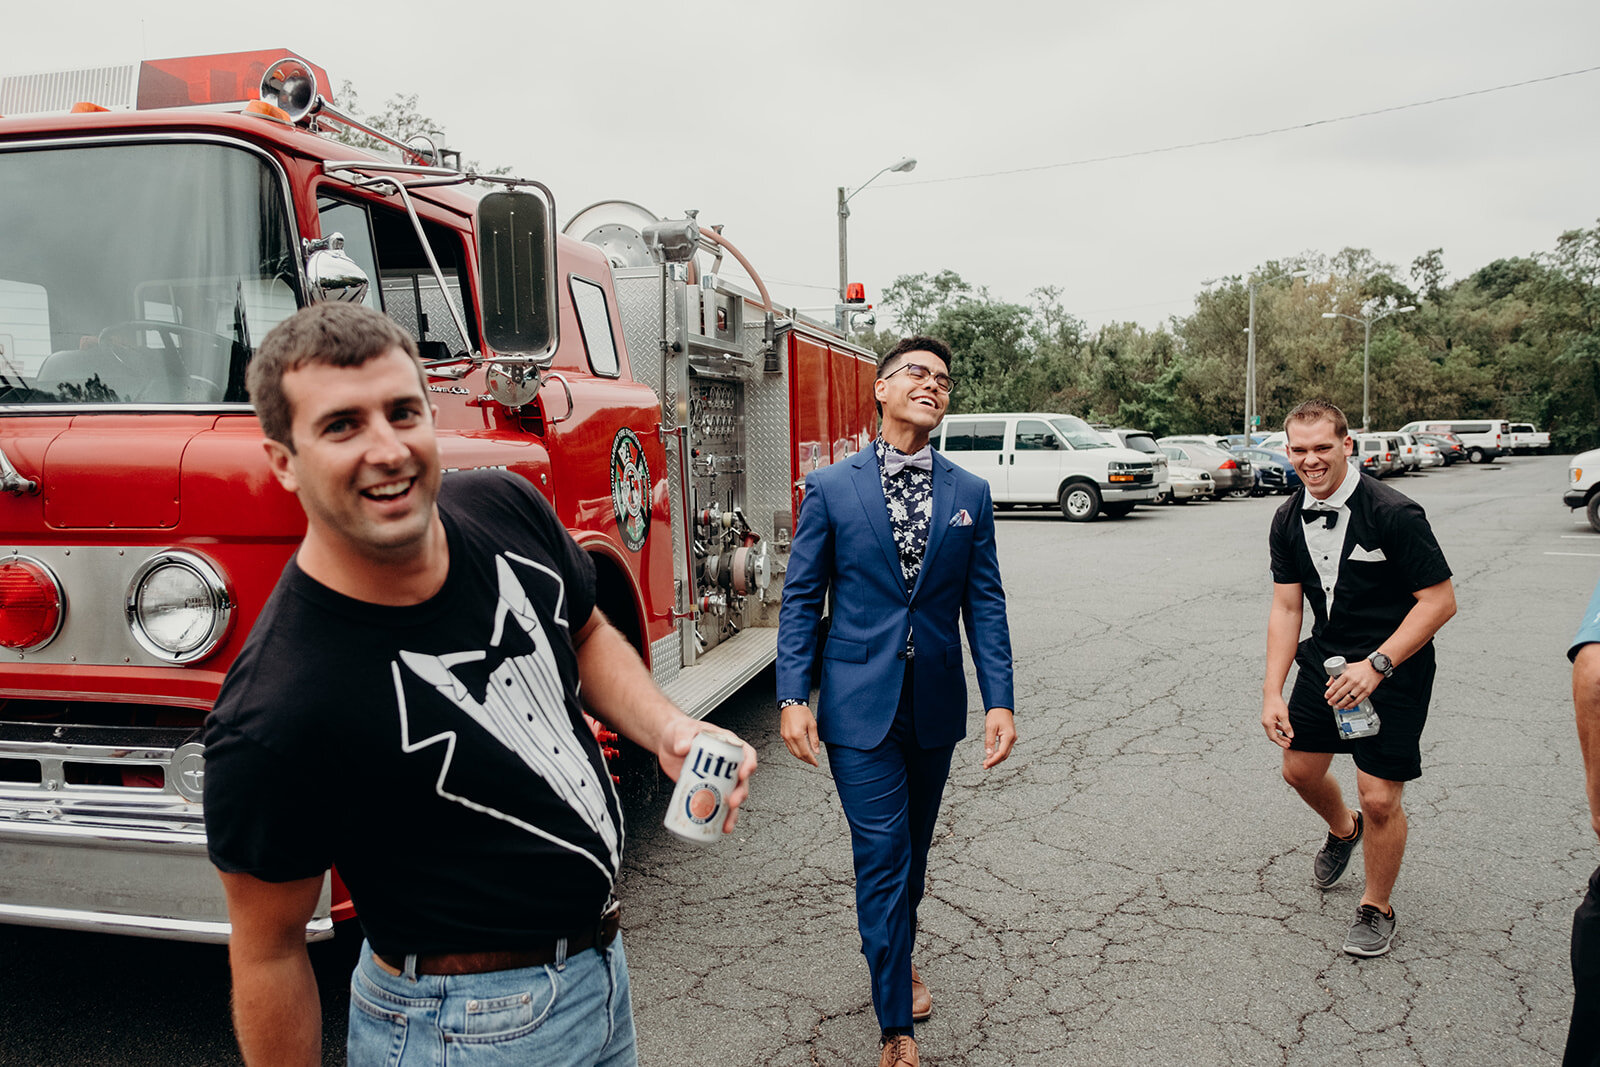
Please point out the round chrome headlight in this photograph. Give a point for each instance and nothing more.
(178, 606)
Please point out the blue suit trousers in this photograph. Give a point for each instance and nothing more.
(890, 794)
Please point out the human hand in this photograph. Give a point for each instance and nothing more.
(1354, 685)
(799, 730)
(675, 744)
(999, 735)
(1275, 720)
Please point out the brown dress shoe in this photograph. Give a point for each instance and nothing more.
(921, 999)
(900, 1051)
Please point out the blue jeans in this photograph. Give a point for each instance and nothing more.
(577, 1014)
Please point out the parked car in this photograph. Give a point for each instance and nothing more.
(1397, 456)
(1448, 444)
(1139, 441)
(1053, 460)
(1274, 472)
(1431, 456)
(1375, 455)
(1524, 438)
(1215, 440)
(1410, 457)
(1485, 439)
(1277, 442)
(1232, 474)
(1189, 483)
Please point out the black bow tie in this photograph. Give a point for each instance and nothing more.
(1329, 516)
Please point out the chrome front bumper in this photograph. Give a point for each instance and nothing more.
(110, 858)
(1136, 493)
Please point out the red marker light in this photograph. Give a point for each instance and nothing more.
(855, 293)
(30, 605)
(1227, 465)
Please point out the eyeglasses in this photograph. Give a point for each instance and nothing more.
(918, 373)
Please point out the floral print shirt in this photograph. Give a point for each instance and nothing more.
(909, 494)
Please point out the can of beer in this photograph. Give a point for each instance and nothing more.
(700, 801)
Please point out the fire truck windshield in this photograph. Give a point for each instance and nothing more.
(139, 273)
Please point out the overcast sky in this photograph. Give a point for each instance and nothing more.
(755, 113)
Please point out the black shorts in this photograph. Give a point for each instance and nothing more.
(1394, 753)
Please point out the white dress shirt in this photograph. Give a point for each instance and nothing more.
(1327, 545)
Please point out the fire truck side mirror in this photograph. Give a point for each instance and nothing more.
(333, 275)
(517, 269)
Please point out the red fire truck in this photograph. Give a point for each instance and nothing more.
(151, 237)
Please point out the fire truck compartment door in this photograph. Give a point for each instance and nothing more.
(116, 472)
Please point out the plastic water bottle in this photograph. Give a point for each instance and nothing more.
(1359, 721)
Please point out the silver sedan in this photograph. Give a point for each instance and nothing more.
(1231, 473)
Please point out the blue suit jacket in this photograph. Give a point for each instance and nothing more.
(843, 540)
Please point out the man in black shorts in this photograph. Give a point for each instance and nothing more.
(406, 709)
(1365, 558)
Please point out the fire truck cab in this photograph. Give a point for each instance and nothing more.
(668, 415)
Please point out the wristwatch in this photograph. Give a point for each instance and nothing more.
(1382, 664)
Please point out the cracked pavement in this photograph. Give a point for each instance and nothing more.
(1133, 886)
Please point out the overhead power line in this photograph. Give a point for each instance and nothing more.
(1238, 136)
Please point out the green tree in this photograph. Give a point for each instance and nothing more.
(916, 300)
(399, 118)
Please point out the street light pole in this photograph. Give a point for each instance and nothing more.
(906, 164)
(1366, 353)
(1250, 350)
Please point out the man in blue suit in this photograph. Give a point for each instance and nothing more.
(904, 539)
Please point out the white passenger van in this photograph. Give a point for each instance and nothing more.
(1032, 458)
(1484, 439)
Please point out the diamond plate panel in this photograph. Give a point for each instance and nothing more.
(639, 305)
(767, 442)
(664, 659)
(701, 689)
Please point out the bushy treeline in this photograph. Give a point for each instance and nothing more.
(1517, 339)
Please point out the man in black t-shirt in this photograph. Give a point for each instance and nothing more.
(1365, 558)
(406, 709)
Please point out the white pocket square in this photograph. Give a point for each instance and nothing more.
(961, 518)
(1365, 555)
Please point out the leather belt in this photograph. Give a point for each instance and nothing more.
(598, 936)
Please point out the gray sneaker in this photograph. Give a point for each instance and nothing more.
(1334, 857)
(1372, 933)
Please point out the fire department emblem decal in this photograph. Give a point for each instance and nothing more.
(630, 488)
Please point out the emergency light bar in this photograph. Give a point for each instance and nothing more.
(228, 80)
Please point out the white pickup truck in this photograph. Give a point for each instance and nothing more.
(1524, 438)
(1583, 485)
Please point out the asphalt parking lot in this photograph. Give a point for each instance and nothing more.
(1132, 887)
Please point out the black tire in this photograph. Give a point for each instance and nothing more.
(1116, 511)
(1594, 512)
(1080, 502)
(1475, 455)
(1164, 498)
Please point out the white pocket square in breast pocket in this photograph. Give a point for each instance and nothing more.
(961, 518)
(1367, 555)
